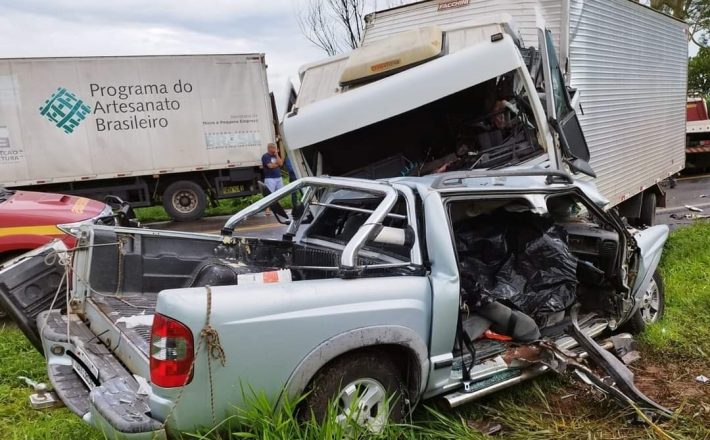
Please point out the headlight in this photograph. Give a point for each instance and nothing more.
(105, 217)
(74, 228)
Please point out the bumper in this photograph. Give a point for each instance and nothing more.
(115, 404)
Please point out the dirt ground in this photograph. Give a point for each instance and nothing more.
(673, 384)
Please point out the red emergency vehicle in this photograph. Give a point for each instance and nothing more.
(30, 219)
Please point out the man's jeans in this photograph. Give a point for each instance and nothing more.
(274, 183)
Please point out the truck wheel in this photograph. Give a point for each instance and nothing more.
(184, 201)
(365, 388)
(652, 306)
(648, 209)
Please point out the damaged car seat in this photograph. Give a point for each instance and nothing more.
(503, 320)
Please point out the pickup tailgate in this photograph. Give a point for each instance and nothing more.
(30, 283)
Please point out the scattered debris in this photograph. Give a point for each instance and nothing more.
(677, 216)
(486, 428)
(136, 321)
(693, 208)
(702, 196)
(42, 398)
(625, 348)
(702, 379)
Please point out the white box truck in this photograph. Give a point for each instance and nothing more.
(625, 63)
(182, 129)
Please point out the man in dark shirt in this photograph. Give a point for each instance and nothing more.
(272, 163)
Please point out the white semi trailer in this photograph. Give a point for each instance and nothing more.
(625, 65)
(181, 129)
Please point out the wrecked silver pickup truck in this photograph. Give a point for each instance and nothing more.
(453, 285)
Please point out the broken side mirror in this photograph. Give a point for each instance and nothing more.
(123, 212)
(572, 157)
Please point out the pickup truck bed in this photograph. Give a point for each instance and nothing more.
(126, 314)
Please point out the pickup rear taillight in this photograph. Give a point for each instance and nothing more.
(171, 352)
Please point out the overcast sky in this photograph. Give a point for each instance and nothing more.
(38, 28)
(42, 28)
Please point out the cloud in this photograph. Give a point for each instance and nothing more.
(34, 28)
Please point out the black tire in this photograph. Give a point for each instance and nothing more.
(649, 312)
(352, 371)
(184, 201)
(648, 209)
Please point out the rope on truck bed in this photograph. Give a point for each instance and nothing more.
(210, 337)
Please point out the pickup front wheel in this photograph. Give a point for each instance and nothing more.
(365, 388)
(652, 306)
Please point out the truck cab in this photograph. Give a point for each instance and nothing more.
(423, 102)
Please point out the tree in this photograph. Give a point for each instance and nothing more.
(338, 25)
(699, 72)
(694, 12)
(333, 25)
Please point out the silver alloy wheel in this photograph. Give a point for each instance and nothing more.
(651, 303)
(364, 401)
(185, 201)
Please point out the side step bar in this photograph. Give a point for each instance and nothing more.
(503, 380)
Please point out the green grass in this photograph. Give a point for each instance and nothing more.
(225, 207)
(532, 411)
(685, 329)
(18, 421)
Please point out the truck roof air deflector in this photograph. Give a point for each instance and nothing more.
(396, 53)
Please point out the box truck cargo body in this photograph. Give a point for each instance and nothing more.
(180, 128)
(626, 66)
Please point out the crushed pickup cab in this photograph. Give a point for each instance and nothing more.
(453, 285)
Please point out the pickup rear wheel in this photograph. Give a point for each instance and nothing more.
(184, 201)
(652, 306)
(365, 388)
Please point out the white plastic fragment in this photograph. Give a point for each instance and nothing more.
(702, 379)
(693, 208)
(136, 321)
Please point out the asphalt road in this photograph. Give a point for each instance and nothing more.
(691, 191)
(259, 225)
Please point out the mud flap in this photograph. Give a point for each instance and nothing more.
(29, 284)
(620, 380)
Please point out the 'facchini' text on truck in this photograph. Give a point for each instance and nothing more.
(186, 130)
